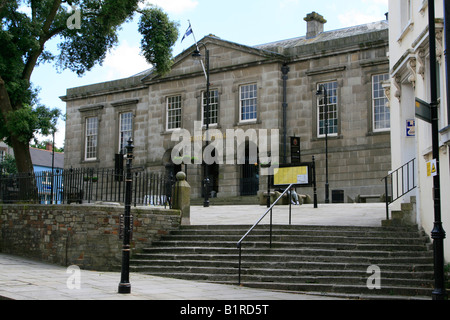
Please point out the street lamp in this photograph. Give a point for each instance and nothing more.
(124, 285)
(197, 56)
(323, 91)
(438, 234)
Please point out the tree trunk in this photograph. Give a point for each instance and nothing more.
(21, 150)
(22, 156)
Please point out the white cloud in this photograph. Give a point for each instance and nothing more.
(354, 18)
(124, 61)
(365, 12)
(175, 6)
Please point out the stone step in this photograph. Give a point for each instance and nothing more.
(291, 268)
(251, 251)
(319, 285)
(315, 276)
(367, 258)
(239, 232)
(291, 238)
(281, 244)
(320, 259)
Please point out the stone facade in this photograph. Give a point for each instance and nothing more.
(284, 75)
(87, 236)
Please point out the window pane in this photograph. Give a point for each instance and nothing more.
(91, 138)
(213, 107)
(331, 103)
(126, 130)
(174, 112)
(249, 102)
(381, 113)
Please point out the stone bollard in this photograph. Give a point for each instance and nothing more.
(182, 198)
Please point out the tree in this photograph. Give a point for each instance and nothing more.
(23, 37)
(8, 165)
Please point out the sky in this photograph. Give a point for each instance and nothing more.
(247, 22)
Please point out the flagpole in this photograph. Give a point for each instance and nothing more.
(196, 45)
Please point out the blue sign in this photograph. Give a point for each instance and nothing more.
(410, 128)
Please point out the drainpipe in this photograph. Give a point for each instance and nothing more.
(285, 71)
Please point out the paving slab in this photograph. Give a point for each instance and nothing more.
(25, 279)
(352, 214)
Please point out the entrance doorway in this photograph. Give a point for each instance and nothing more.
(250, 173)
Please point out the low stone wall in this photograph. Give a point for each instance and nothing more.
(87, 236)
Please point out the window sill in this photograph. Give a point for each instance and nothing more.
(90, 161)
(409, 27)
(378, 133)
(247, 123)
(330, 137)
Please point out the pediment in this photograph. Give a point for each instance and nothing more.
(224, 55)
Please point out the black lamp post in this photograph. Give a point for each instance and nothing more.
(323, 91)
(53, 166)
(197, 55)
(124, 285)
(438, 233)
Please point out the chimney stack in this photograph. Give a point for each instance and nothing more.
(49, 146)
(315, 24)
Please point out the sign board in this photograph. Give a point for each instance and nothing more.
(295, 150)
(432, 168)
(410, 128)
(423, 110)
(300, 175)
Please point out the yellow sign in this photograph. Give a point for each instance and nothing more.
(432, 168)
(291, 175)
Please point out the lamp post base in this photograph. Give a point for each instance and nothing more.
(124, 288)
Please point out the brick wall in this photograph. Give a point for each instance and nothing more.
(86, 236)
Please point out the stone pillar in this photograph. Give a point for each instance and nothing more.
(182, 198)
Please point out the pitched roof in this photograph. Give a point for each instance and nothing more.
(43, 158)
(326, 36)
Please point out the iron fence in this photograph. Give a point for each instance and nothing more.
(86, 186)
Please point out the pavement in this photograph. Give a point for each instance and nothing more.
(25, 279)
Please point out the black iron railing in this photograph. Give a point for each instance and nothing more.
(400, 182)
(85, 186)
(239, 244)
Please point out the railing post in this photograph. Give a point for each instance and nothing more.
(240, 257)
(314, 182)
(271, 228)
(386, 197)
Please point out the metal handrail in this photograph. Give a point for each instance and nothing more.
(239, 244)
(407, 182)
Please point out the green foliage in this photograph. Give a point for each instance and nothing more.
(82, 49)
(8, 165)
(23, 37)
(159, 35)
(43, 145)
(26, 122)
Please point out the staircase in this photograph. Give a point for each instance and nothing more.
(406, 216)
(309, 259)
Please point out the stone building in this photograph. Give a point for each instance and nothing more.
(270, 86)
